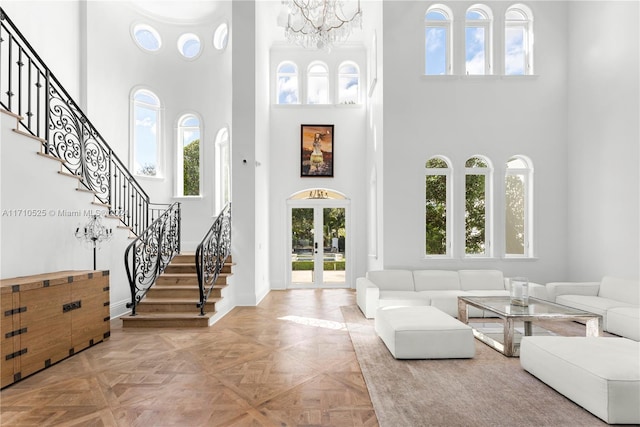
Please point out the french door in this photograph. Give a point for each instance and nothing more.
(318, 236)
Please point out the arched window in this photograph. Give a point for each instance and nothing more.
(438, 40)
(223, 169)
(317, 84)
(519, 207)
(518, 41)
(477, 213)
(348, 83)
(189, 173)
(145, 126)
(478, 31)
(438, 207)
(288, 88)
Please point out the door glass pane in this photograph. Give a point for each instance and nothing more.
(302, 259)
(334, 238)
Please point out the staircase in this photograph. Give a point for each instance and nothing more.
(172, 301)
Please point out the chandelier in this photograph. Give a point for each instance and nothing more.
(319, 24)
(93, 234)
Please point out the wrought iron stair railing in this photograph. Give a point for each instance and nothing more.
(29, 89)
(212, 253)
(150, 253)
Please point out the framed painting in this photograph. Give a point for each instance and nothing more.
(316, 150)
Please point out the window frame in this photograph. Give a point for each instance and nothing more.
(487, 25)
(223, 171)
(316, 75)
(487, 172)
(447, 25)
(157, 109)
(280, 74)
(527, 44)
(341, 75)
(448, 174)
(528, 183)
(179, 177)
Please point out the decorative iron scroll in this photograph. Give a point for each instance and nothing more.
(29, 89)
(212, 253)
(148, 255)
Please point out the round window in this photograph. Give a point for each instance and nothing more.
(221, 36)
(146, 37)
(189, 45)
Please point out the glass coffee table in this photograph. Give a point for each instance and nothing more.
(510, 314)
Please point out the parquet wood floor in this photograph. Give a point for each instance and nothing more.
(287, 362)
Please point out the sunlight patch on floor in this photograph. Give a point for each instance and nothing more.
(319, 323)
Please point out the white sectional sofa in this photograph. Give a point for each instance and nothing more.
(437, 288)
(616, 299)
(601, 374)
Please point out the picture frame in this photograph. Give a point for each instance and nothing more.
(316, 150)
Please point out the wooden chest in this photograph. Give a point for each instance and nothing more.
(49, 317)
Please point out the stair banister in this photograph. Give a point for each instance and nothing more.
(67, 134)
(149, 254)
(212, 253)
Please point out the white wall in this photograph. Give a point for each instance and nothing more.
(57, 45)
(349, 157)
(463, 116)
(116, 66)
(41, 210)
(604, 184)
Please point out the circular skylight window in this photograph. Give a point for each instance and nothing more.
(147, 38)
(221, 36)
(189, 45)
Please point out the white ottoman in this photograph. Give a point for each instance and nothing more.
(601, 374)
(423, 333)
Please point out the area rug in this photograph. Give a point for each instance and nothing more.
(488, 390)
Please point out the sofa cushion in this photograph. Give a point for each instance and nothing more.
(591, 304)
(481, 279)
(402, 299)
(392, 280)
(436, 280)
(624, 290)
(600, 374)
(624, 321)
(446, 301)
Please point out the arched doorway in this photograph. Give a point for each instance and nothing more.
(318, 249)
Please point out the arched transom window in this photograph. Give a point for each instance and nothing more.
(438, 40)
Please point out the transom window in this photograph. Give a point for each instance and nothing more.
(318, 84)
(437, 207)
(145, 123)
(288, 89)
(348, 83)
(478, 30)
(188, 176)
(438, 40)
(518, 41)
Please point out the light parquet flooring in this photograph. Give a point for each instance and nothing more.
(287, 362)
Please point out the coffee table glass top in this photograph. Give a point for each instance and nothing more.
(537, 308)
